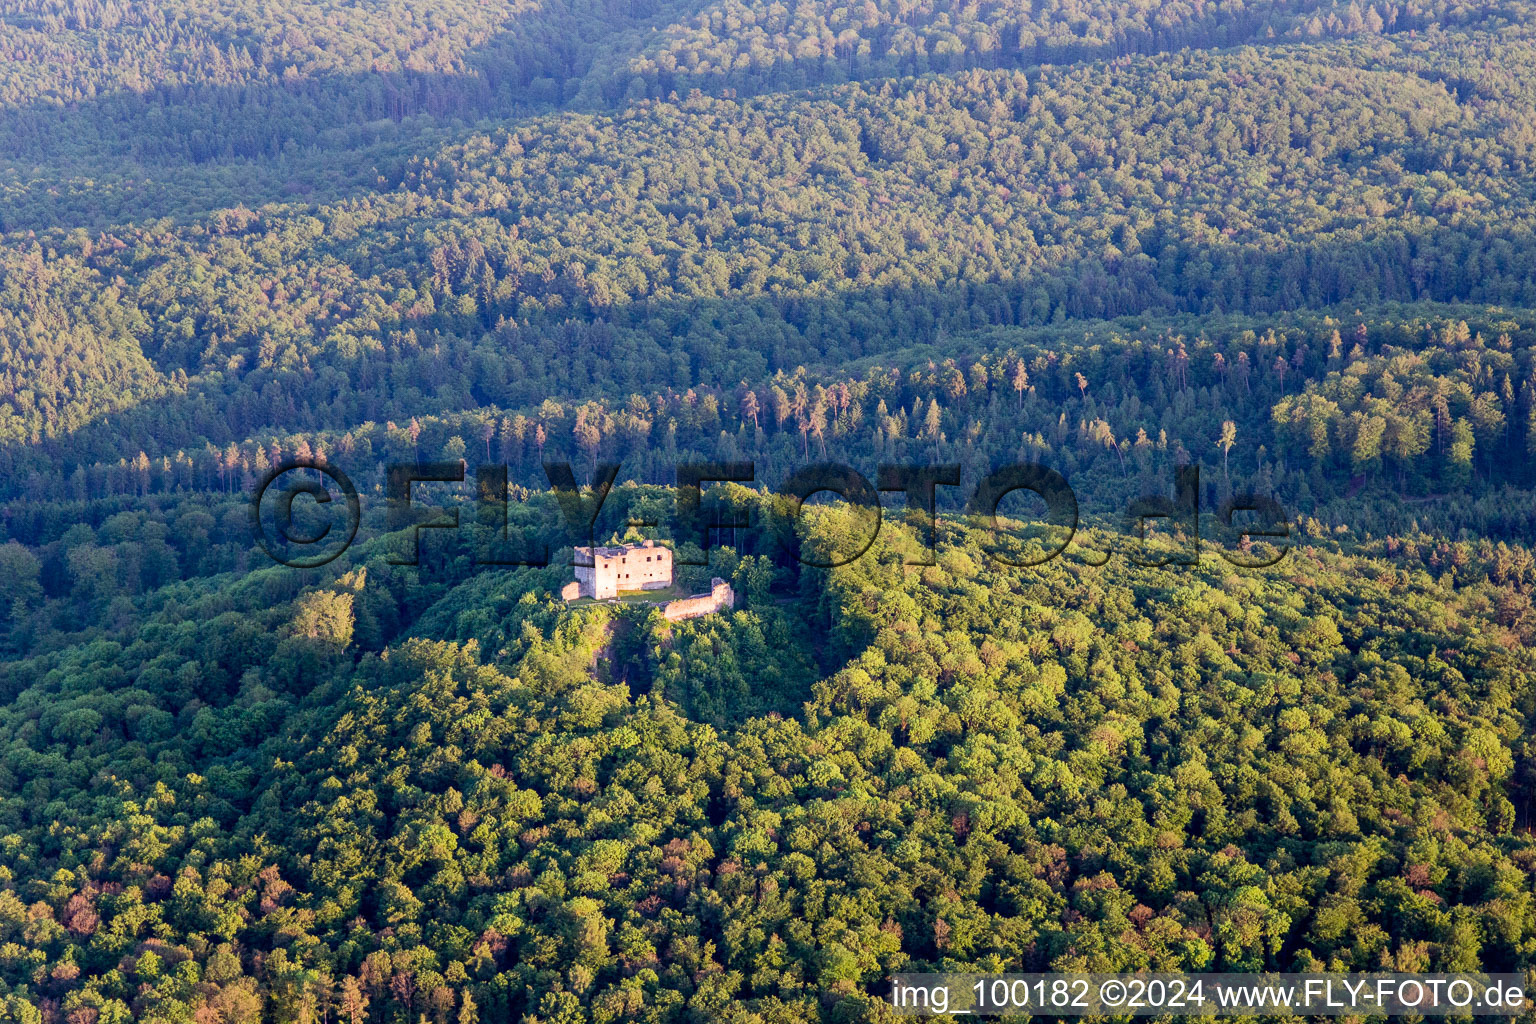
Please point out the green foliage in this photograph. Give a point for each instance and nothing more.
(1119, 239)
(1057, 768)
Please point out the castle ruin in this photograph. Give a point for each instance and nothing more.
(602, 572)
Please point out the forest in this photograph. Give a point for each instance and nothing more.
(1284, 244)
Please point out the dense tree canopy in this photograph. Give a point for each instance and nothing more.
(1286, 243)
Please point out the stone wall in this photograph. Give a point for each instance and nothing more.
(720, 597)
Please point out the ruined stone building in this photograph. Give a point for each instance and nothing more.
(602, 572)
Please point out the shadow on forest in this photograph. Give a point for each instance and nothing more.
(189, 149)
(674, 345)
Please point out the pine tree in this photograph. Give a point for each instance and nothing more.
(354, 1003)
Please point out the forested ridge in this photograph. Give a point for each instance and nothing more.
(1287, 243)
(302, 803)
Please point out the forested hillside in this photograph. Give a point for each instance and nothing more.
(1288, 243)
(252, 799)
